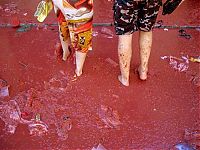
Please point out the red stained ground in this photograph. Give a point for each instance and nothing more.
(154, 114)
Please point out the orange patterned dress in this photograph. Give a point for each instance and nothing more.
(75, 20)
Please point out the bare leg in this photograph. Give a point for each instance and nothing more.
(80, 59)
(65, 45)
(124, 54)
(145, 43)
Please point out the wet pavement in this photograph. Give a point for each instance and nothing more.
(48, 109)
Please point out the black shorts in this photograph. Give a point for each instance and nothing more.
(130, 15)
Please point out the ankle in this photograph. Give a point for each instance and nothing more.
(143, 69)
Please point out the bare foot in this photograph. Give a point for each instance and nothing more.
(78, 73)
(142, 73)
(68, 54)
(123, 81)
(65, 56)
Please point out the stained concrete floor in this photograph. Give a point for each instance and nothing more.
(154, 114)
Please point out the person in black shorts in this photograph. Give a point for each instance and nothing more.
(131, 16)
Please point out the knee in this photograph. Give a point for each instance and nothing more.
(125, 42)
